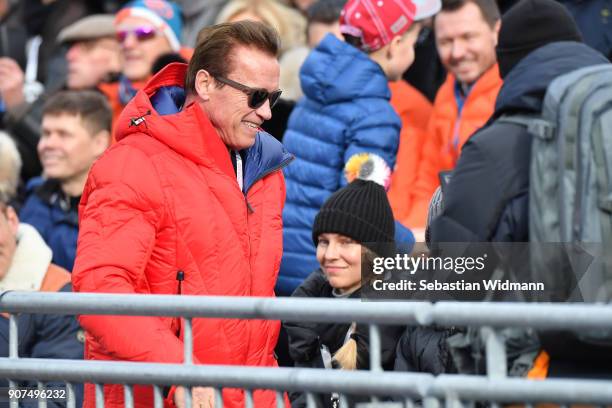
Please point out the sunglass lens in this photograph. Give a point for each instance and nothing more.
(274, 96)
(144, 33)
(122, 35)
(258, 98)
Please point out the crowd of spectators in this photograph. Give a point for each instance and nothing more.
(401, 93)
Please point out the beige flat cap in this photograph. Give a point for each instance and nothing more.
(88, 28)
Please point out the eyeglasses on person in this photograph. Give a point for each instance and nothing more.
(257, 96)
(142, 33)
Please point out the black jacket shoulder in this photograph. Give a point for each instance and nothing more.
(486, 199)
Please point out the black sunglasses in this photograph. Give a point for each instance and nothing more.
(257, 96)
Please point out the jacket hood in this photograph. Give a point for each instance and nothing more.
(157, 111)
(525, 85)
(336, 72)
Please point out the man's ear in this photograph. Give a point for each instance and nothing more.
(203, 84)
(101, 142)
(496, 28)
(12, 219)
(392, 49)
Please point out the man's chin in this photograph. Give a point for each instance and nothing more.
(136, 73)
(466, 77)
(53, 174)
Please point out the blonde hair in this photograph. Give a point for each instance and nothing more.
(346, 356)
(10, 167)
(289, 23)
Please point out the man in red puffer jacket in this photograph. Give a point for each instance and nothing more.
(189, 201)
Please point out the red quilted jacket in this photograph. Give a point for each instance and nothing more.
(165, 199)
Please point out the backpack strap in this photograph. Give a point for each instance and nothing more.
(535, 125)
(604, 202)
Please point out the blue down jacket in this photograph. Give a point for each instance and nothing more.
(55, 217)
(345, 111)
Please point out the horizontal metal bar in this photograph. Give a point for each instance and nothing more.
(535, 315)
(543, 316)
(522, 390)
(412, 385)
(348, 310)
(104, 372)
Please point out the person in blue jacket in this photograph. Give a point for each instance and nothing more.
(76, 129)
(345, 114)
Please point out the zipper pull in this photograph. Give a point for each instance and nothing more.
(239, 175)
(180, 277)
(246, 200)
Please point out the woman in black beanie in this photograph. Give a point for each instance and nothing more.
(356, 220)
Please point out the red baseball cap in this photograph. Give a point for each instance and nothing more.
(376, 22)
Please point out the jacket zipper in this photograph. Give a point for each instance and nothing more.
(180, 277)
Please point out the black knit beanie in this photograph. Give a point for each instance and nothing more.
(531, 24)
(360, 211)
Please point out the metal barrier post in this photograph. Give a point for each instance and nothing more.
(452, 401)
(158, 398)
(71, 402)
(99, 396)
(128, 394)
(188, 343)
(218, 398)
(496, 353)
(42, 402)
(280, 400)
(248, 399)
(13, 351)
(431, 402)
(310, 400)
(375, 360)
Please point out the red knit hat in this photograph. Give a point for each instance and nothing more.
(376, 22)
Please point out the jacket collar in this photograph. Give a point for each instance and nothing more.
(488, 80)
(30, 261)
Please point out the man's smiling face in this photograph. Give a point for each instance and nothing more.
(228, 108)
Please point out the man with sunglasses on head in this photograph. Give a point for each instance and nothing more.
(189, 202)
(146, 30)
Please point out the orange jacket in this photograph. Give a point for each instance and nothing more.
(414, 109)
(165, 199)
(447, 133)
(111, 91)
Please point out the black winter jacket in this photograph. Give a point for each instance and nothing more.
(425, 350)
(305, 339)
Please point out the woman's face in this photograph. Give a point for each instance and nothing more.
(340, 259)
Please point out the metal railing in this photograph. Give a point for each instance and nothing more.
(431, 391)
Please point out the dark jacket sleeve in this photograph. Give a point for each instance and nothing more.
(485, 198)
(303, 337)
(57, 336)
(424, 350)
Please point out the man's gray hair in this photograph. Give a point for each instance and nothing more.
(10, 167)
